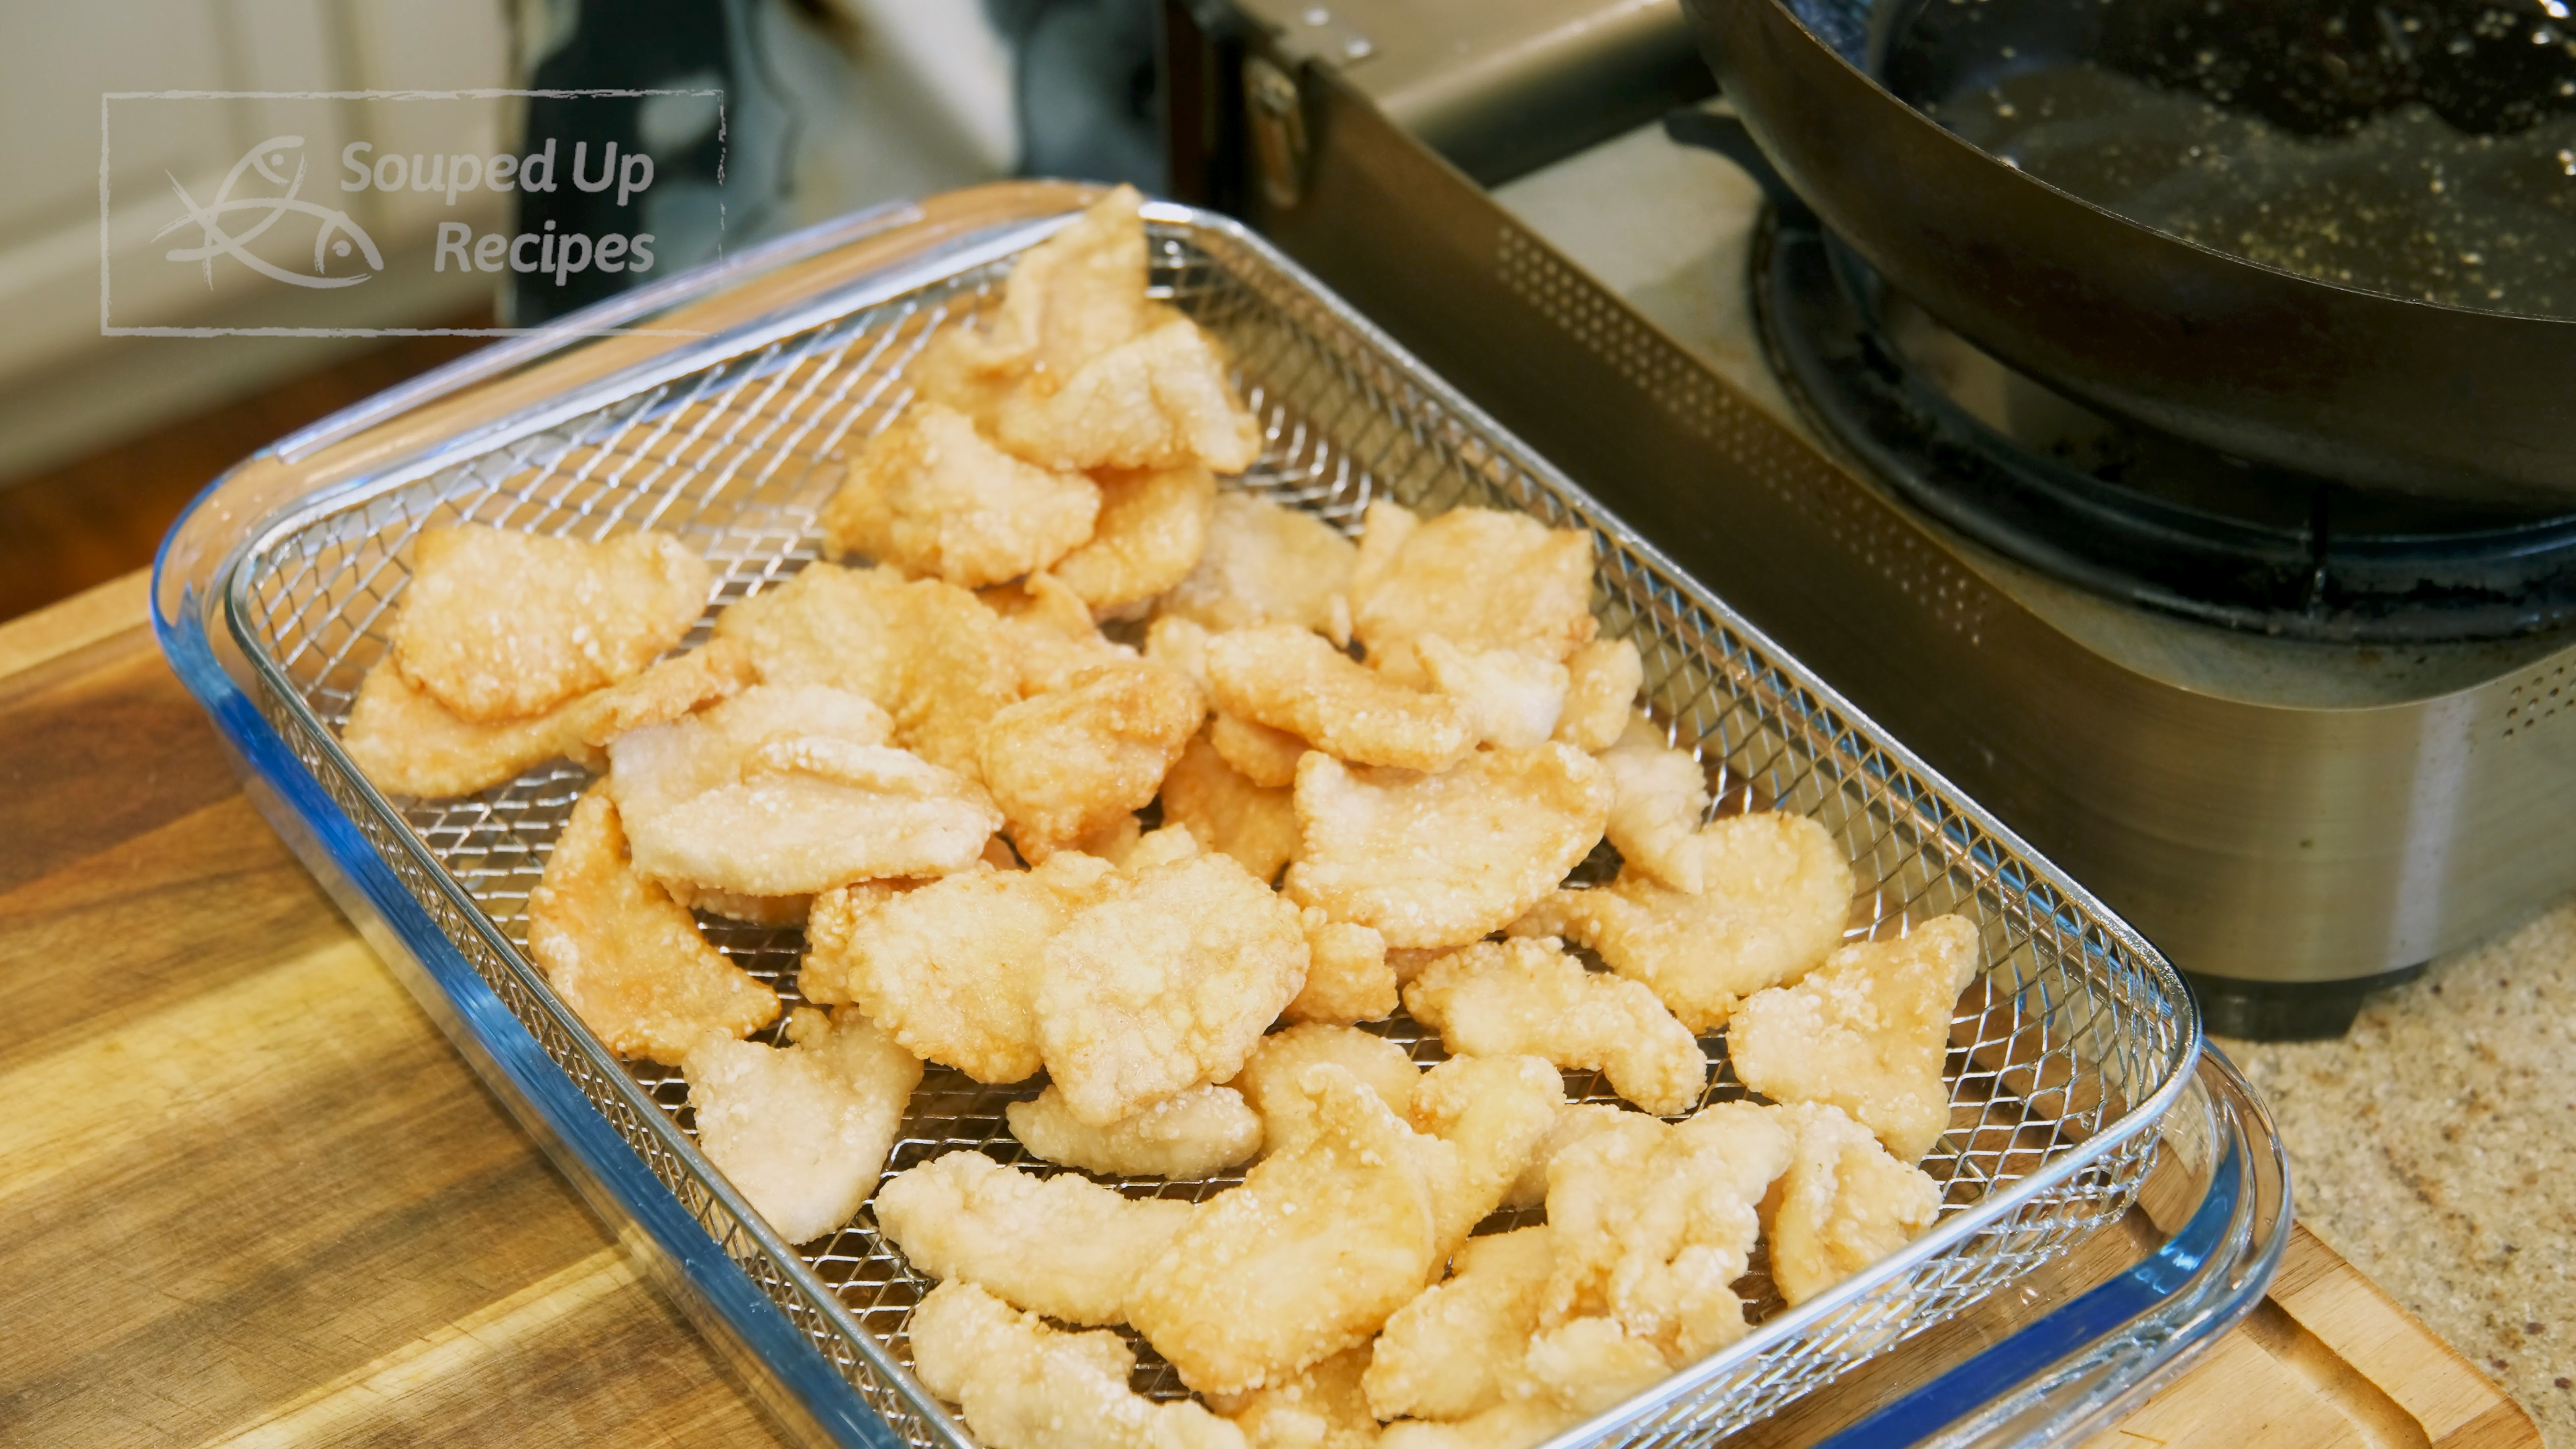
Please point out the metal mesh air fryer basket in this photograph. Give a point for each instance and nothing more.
(2076, 1036)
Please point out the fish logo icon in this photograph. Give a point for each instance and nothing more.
(335, 234)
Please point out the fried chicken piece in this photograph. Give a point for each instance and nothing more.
(1506, 697)
(1778, 890)
(1285, 677)
(1478, 577)
(804, 1131)
(751, 910)
(1573, 1123)
(1603, 678)
(1456, 1348)
(1501, 998)
(949, 968)
(1307, 1258)
(1179, 644)
(1651, 1224)
(1153, 527)
(1231, 814)
(1511, 1424)
(1165, 985)
(1347, 978)
(1160, 400)
(1066, 764)
(1263, 564)
(662, 766)
(1440, 860)
(1497, 1111)
(1050, 628)
(1063, 1246)
(1201, 1131)
(1842, 1205)
(668, 690)
(1659, 796)
(1866, 1031)
(1585, 1365)
(931, 497)
(1067, 300)
(500, 625)
(1272, 1077)
(1265, 756)
(1320, 1406)
(627, 958)
(1023, 1385)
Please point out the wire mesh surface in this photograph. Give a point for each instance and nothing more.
(2073, 1027)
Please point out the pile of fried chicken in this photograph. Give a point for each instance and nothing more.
(1373, 767)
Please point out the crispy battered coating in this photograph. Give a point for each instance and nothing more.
(1843, 1204)
(1652, 1224)
(1153, 527)
(1067, 300)
(1050, 629)
(802, 1132)
(1477, 577)
(1307, 1258)
(1320, 1406)
(662, 766)
(1063, 1246)
(665, 691)
(1440, 860)
(1865, 1031)
(949, 969)
(1778, 891)
(501, 625)
(1264, 564)
(1347, 978)
(1603, 678)
(627, 958)
(1499, 998)
(1265, 756)
(1160, 400)
(931, 497)
(1165, 985)
(1231, 814)
(753, 910)
(1506, 697)
(1659, 795)
(1023, 1385)
(1588, 1364)
(1497, 1111)
(1573, 1123)
(1067, 764)
(1272, 1077)
(1203, 1130)
(1178, 644)
(1456, 1348)
(1291, 679)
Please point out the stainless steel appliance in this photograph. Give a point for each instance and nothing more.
(2302, 781)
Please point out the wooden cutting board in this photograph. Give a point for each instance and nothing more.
(250, 1197)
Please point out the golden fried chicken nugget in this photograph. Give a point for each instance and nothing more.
(931, 497)
(668, 690)
(1067, 300)
(1063, 1246)
(1778, 890)
(501, 625)
(1659, 795)
(1288, 678)
(406, 743)
(1308, 1257)
(1588, 1364)
(1160, 400)
(1456, 1348)
(1480, 578)
(1503, 998)
(1602, 680)
(1067, 764)
(949, 968)
(1573, 1123)
(1347, 978)
(1165, 985)
(659, 766)
(1263, 564)
(1843, 1204)
(1271, 1077)
(1440, 860)
(1506, 697)
(1497, 1111)
(1265, 756)
(1865, 1031)
(1321, 1406)
(1257, 827)
(1153, 527)
(1652, 1224)
(627, 958)
(1023, 1385)
(1050, 627)
(804, 1131)
(1201, 1131)
(1177, 643)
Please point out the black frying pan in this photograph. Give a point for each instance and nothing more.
(2373, 387)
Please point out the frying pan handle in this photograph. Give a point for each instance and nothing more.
(1723, 132)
